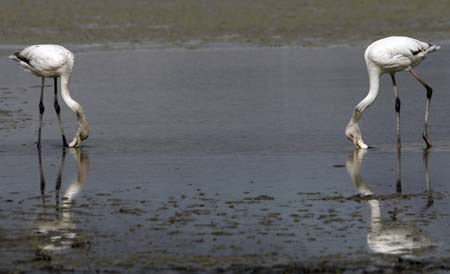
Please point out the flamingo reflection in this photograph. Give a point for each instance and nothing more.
(58, 229)
(389, 237)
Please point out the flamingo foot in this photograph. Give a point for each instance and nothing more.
(427, 141)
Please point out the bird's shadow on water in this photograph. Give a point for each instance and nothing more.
(56, 224)
(390, 236)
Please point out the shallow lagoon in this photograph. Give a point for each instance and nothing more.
(224, 158)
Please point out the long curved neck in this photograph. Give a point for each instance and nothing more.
(374, 81)
(83, 128)
(71, 103)
(65, 93)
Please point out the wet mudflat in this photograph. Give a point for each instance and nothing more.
(224, 159)
(192, 23)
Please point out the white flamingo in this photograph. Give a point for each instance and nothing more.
(54, 61)
(390, 55)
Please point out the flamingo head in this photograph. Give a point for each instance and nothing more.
(353, 133)
(81, 134)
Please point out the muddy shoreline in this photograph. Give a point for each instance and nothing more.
(194, 23)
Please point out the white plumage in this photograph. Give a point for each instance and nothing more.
(45, 60)
(54, 61)
(390, 55)
(397, 53)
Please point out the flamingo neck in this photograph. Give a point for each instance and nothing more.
(65, 93)
(83, 128)
(71, 103)
(374, 85)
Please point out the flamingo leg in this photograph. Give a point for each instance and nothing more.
(397, 109)
(58, 111)
(427, 109)
(41, 112)
(399, 171)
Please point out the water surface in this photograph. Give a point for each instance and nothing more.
(224, 159)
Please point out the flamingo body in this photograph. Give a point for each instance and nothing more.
(397, 53)
(54, 61)
(390, 55)
(45, 60)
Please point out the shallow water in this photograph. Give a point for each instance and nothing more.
(224, 159)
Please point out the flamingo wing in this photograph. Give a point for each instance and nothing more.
(398, 53)
(42, 60)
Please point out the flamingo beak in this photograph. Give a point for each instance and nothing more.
(360, 144)
(75, 142)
